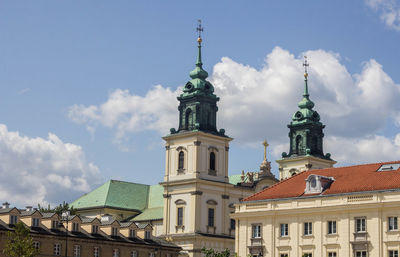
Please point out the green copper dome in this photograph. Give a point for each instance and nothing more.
(198, 103)
(306, 130)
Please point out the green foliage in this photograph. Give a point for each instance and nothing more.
(212, 253)
(19, 243)
(59, 209)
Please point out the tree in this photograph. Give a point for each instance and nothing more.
(19, 243)
(59, 209)
(212, 253)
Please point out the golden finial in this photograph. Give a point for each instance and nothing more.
(199, 29)
(265, 144)
(305, 64)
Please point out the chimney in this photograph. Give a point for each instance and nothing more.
(6, 205)
(106, 218)
(28, 208)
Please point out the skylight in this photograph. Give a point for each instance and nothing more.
(389, 167)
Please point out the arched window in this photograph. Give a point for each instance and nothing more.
(298, 144)
(181, 161)
(212, 161)
(188, 119)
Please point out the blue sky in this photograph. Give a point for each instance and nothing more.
(86, 71)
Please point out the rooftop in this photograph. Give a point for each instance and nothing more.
(350, 179)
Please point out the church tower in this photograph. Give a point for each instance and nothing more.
(197, 194)
(306, 139)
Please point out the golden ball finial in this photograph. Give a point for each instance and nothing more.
(305, 74)
(199, 40)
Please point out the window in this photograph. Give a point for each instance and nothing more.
(212, 161)
(332, 254)
(13, 219)
(392, 222)
(75, 227)
(307, 229)
(284, 230)
(115, 253)
(95, 229)
(96, 252)
(331, 227)
(360, 225)
(35, 222)
(114, 231)
(132, 233)
(256, 231)
(54, 224)
(307, 255)
(147, 235)
(284, 255)
(180, 216)
(393, 253)
(233, 224)
(57, 249)
(134, 254)
(361, 254)
(36, 245)
(77, 250)
(181, 161)
(211, 212)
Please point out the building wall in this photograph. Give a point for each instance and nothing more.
(290, 166)
(375, 207)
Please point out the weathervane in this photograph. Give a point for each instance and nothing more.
(199, 29)
(305, 64)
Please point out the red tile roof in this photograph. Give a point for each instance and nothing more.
(349, 179)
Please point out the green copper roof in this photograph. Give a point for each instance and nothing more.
(150, 214)
(117, 194)
(155, 198)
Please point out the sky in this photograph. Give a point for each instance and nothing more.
(88, 88)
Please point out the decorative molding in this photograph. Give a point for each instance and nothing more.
(225, 196)
(227, 148)
(180, 202)
(196, 193)
(166, 195)
(231, 205)
(180, 148)
(213, 148)
(180, 171)
(197, 143)
(212, 202)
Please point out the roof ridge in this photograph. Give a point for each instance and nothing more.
(365, 164)
(116, 180)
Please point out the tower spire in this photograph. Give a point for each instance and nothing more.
(199, 29)
(305, 64)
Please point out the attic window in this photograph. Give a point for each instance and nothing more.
(316, 184)
(389, 167)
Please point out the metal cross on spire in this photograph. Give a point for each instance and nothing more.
(305, 64)
(265, 144)
(199, 28)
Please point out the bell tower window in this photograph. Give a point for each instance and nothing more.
(181, 161)
(212, 161)
(188, 119)
(298, 144)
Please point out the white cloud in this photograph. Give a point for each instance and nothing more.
(258, 103)
(389, 11)
(45, 171)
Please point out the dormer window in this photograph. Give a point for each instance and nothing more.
(35, 222)
(95, 229)
(114, 231)
(13, 219)
(132, 233)
(54, 224)
(316, 184)
(75, 227)
(147, 234)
